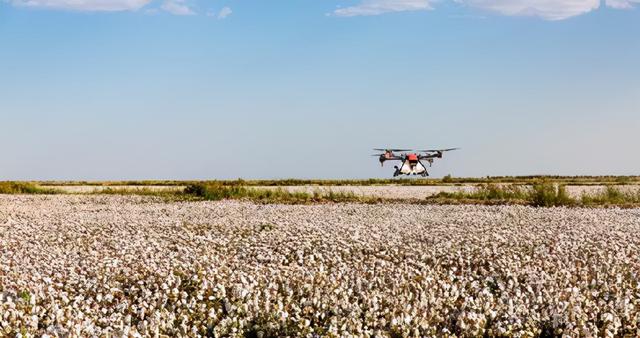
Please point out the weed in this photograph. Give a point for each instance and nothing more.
(550, 195)
(266, 227)
(486, 192)
(25, 296)
(24, 188)
(612, 196)
(540, 195)
(217, 191)
(545, 194)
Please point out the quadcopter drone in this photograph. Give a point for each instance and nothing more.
(411, 162)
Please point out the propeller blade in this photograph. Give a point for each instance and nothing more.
(438, 150)
(377, 149)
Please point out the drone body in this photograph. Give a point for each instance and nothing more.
(411, 162)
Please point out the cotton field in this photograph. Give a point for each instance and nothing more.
(127, 266)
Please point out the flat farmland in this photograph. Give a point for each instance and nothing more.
(111, 265)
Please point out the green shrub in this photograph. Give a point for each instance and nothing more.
(540, 195)
(23, 188)
(487, 192)
(612, 196)
(623, 180)
(217, 191)
(549, 195)
(195, 189)
(25, 296)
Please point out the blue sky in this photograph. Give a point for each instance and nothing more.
(169, 89)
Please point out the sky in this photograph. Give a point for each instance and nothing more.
(224, 89)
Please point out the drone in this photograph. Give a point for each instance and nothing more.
(411, 159)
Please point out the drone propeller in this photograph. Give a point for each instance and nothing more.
(398, 150)
(437, 150)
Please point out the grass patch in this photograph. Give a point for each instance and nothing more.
(24, 188)
(266, 227)
(129, 191)
(116, 183)
(217, 191)
(484, 194)
(166, 195)
(538, 195)
(25, 296)
(612, 196)
(550, 195)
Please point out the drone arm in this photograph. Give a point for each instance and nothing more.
(383, 159)
(430, 156)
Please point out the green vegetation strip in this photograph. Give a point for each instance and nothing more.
(546, 194)
(447, 180)
(24, 188)
(216, 192)
(538, 195)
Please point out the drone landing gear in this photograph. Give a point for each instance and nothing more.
(397, 172)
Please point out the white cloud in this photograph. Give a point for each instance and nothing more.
(177, 7)
(85, 5)
(377, 7)
(224, 12)
(622, 4)
(546, 9)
